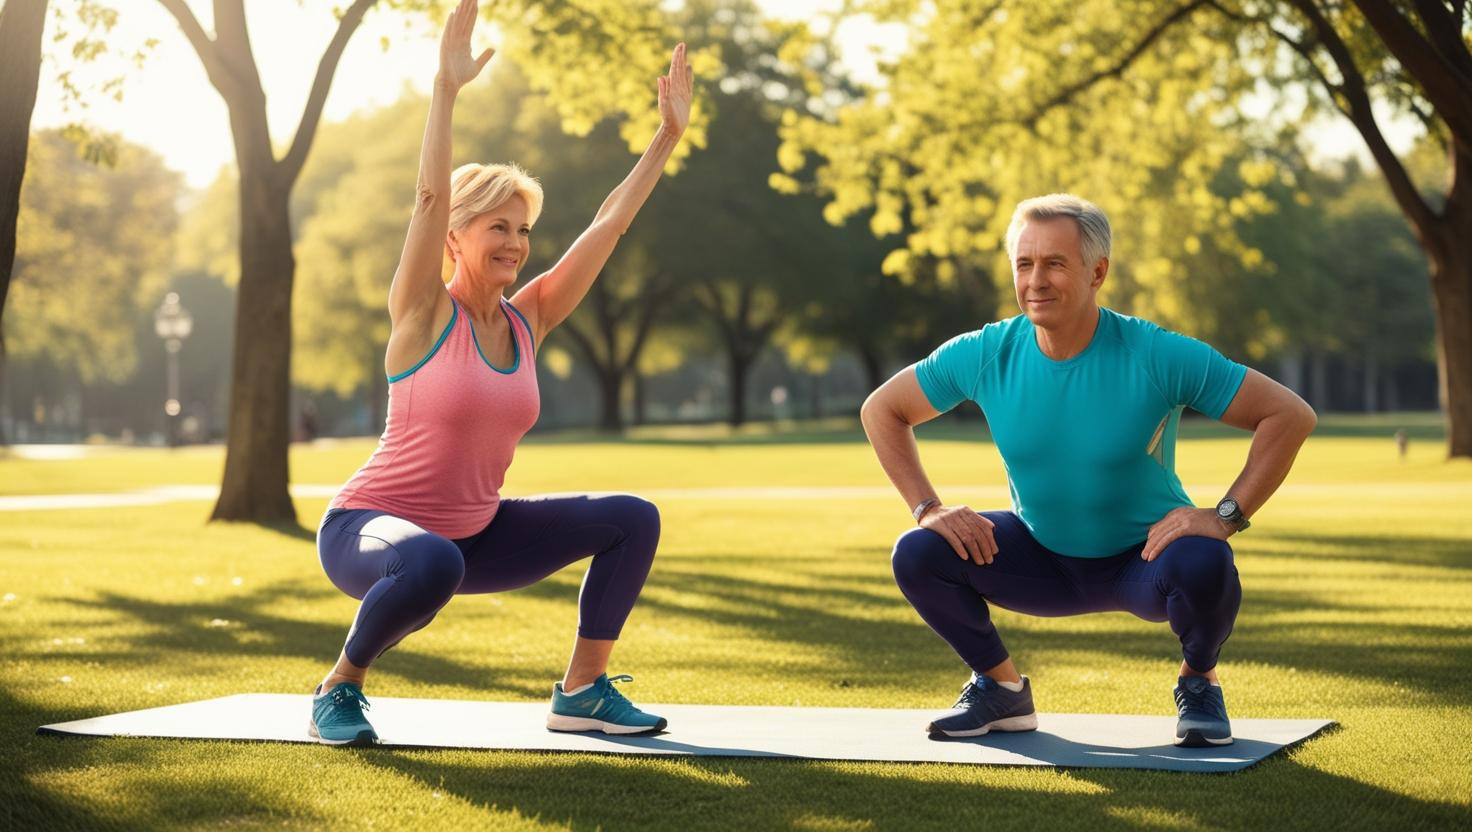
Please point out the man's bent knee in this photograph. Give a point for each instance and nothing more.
(1200, 564)
(919, 554)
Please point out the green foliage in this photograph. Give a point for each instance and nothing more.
(991, 103)
(598, 58)
(355, 198)
(1341, 272)
(209, 230)
(93, 247)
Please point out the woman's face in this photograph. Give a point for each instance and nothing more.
(494, 245)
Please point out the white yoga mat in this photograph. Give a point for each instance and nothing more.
(1068, 740)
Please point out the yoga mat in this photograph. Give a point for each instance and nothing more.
(1067, 740)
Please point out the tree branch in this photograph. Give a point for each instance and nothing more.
(642, 329)
(1067, 93)
(1357, 97)
(291, 165)
(1448, 89)
(585, 345)
(1303, 48)
(208, 51)
(1444, 30)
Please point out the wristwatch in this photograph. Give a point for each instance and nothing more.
(1230, 513)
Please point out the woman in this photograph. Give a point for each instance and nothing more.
(422, 520)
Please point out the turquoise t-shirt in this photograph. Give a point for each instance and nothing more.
(1089, 443)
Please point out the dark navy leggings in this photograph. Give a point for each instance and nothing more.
(1192, 583)
(404, 575)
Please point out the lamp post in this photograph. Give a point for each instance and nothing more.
(173, 323)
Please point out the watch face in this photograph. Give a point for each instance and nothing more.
(1226, 508)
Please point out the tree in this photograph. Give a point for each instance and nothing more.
(94, 246)
(350, 213)
(1138, 102)
(760, 256)
(614, 323)
(21, 25)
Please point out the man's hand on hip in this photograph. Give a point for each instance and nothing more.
(1182, 522)
(969, 533)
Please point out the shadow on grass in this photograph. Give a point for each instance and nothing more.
(587, 792)
(141, 796)
(177, 629)
(853, 632)
(1443, 552)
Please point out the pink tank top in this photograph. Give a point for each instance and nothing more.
(453, 423)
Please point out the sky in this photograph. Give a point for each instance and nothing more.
(169, 105)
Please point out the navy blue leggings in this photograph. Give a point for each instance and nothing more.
(404, 575)
(1192, 583)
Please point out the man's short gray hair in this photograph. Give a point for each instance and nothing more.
(1093, 226)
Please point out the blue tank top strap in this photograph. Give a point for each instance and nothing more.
(526, 327)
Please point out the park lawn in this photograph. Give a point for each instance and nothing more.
(1357, 608)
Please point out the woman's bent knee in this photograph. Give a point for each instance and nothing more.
(435, 567)
(644, 513)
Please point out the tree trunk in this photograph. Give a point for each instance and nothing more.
(255, 482)
(1451, 287)
(1371, 383)
(610, 386)
(873, 370)
(22, 23)
(640, 403)
(739, 366)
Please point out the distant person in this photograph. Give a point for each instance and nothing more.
(308, 422)
(1083, 404)
(423, 520)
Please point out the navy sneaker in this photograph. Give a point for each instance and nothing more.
(987, 706)
(600, 707)
(1203, 722)
(337, 717)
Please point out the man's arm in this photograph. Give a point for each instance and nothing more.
(889, 416)
(1280, 421)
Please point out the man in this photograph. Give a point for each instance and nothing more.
(1083, 404)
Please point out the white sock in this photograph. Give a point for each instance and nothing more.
(577, 690)
(1015, 687)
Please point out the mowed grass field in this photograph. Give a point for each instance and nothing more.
(772, 587)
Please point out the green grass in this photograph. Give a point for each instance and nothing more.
(1357, 608)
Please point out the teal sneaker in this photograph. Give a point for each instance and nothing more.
(337, 717)
(600, 708)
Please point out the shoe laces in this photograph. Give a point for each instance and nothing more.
(616, 700)
(1197, 701)
(345, 700)
(974, 692)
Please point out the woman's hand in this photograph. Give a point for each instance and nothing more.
(674, 94)
(457, 68)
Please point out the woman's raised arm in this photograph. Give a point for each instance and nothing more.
(417, 283)
(551, 297)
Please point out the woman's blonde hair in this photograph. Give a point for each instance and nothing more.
(476, 189)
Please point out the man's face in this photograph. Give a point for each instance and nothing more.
(1054, 286)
